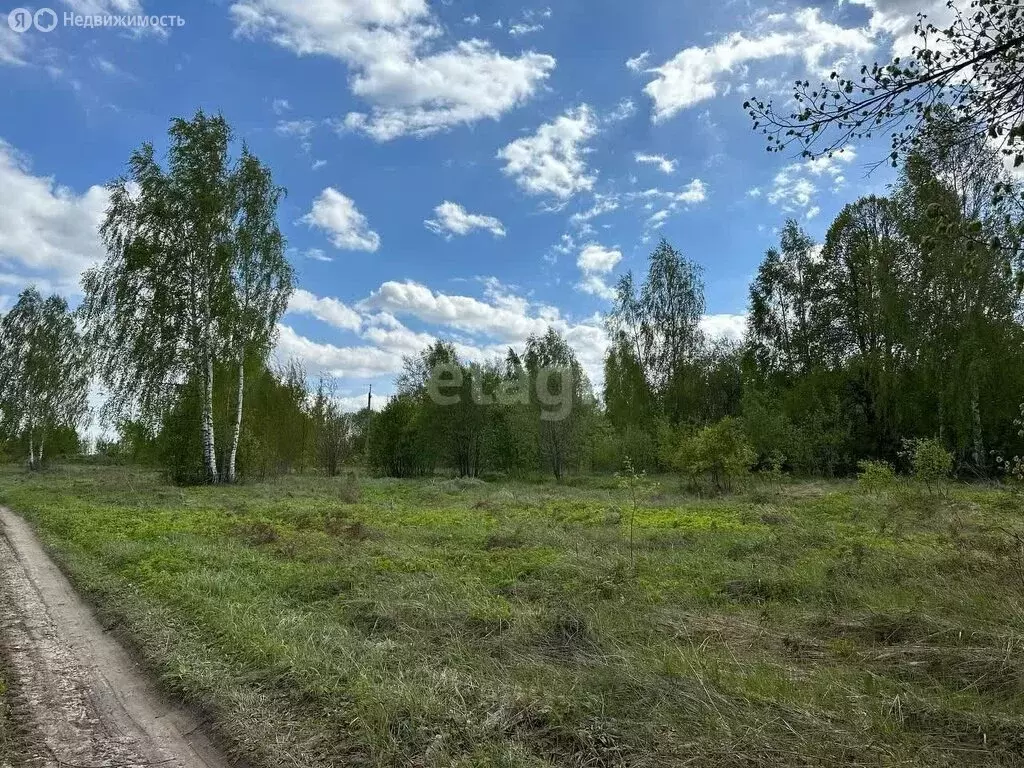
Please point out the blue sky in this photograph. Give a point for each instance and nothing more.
(454, 168)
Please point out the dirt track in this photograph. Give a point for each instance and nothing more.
(80, 697)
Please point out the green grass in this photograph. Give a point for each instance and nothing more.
(6, 722)
(466, 624)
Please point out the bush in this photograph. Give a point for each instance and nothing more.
(930, 462)
(876, 476)
(717, 455)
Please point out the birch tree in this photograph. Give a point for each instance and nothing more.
(262, 279)
(43, 371)
(185, 283)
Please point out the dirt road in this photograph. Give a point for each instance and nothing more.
(82, 699)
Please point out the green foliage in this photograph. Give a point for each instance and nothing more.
(44, 376)
(876, 476)
(717, 455)
(398, 444)
(193, 283)
(930, 462)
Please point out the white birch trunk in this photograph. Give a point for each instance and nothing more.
(238, 423)
(209, 452)
(31, 453)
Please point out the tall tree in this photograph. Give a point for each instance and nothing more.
(192, 254)
(44, 375)
(262, 279)
(966, 300)
(782, 297)
(659, 327)
(560, 393)
(864, 306)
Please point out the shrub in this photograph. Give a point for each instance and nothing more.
(876, 476)
(717, 455)
(930, 462)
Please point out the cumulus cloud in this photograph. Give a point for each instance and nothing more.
(551, 161)
(48, 233)
(596, 258)
(897, 18)
(327, 310)
(595, 263)
(662, 163)
(414, 85)
(698, 73)
(346, 227)
(360, 362)
(452, 219)
(729, 326)
(493, 323)
(463, 313)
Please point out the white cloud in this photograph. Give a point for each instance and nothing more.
(518, 30)
(696, 74)
(452, 219)
(280, 106)
(328, 310)
(347, 228)
(624, 110)
(671, 202)
(387, 332)
(637, 63)
(298, 128)
(317, 254)
(598, 259)
(658, 219)
(730, 326)
(897, 18)
(664, 165)
(413, 85)
(794, 188)
(472, 20)
(694, 192)
(464, 313)
(48, 233)
(12, 44)
(602, 204)
(362, 362)
(595, 263)
(551, 162)
(499, 320)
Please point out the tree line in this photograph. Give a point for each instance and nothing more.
(904, 324)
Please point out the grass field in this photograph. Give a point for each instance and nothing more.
(452, 623)
(6, 726)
